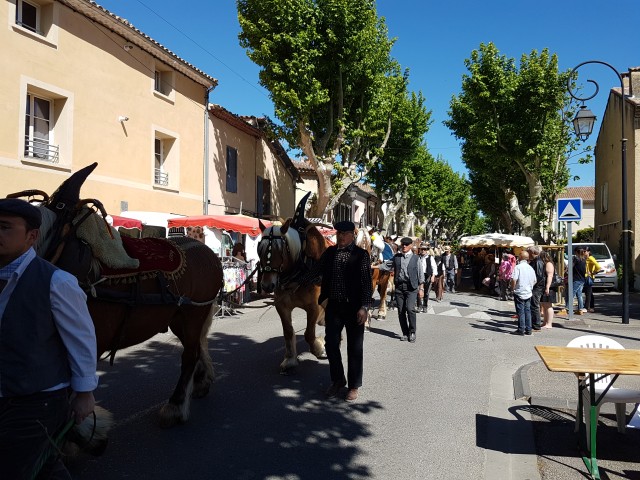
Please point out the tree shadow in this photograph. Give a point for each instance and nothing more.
(254, 424)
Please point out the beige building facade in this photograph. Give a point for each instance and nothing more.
(608, 202)
(81, 85)
(248, 172)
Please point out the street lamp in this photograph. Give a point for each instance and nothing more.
(583, 125)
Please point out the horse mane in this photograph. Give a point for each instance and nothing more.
(48, 219)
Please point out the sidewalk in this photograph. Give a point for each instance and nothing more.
(553, 398)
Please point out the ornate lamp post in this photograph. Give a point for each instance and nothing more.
(583, 125)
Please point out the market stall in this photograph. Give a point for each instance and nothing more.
(500, 240)
(235, 270)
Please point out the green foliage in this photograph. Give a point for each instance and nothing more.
(513, 131)
(584, 235)
(327, 66)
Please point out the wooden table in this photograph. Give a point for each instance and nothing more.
(591, 362)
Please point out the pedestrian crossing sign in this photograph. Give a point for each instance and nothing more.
(569, 209)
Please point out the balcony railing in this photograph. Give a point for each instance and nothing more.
(161, 178)
(41, 149)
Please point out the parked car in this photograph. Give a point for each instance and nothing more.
(608, 277)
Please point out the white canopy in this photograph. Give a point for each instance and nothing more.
(496, 240)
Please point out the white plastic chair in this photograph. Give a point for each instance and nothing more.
(619, 396)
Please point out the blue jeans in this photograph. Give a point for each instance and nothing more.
(523, 309)
(577, 291)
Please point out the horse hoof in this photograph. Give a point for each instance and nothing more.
(170, 416)
(200, 391)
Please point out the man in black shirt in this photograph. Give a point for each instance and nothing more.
(346, 284)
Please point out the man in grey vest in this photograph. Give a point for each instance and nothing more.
(450, 263)
(47, 350)
(408, 274)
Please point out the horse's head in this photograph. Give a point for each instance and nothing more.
(279, 250)
(62, 213)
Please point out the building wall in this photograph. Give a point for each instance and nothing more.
(608, 204)
(254, 158)
(93, 80)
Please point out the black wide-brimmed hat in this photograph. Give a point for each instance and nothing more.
(344, 226)
(15, 207)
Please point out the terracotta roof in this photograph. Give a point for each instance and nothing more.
(303, 166)
(126, 30)
(585, 193)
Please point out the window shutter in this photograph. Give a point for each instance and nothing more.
(259, 204)
(232, 170)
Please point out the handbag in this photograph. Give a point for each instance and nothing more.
(588, 281)
(557, 281)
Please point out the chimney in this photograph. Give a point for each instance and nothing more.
(634, 82)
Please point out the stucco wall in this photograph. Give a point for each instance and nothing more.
(95, 81)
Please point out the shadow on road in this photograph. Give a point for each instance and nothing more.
(254, 424)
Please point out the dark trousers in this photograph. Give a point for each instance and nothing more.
(25, 426)
(406, 299)
(588, 293)
(523, 309)
(338, 316)
(535, 307)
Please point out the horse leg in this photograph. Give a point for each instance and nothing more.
(176, 410)
(382, 309)
(290, 349)
(316, 344)
(203, 376)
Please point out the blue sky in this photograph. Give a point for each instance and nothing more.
(433, 39)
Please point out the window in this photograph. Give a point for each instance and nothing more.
(263, 196)
(232, 170)
(604, 197)
(163, 80)
(28, 16)
(166, 160)
(36, 19)
(46, 128)
(161, 177)
(38, 133)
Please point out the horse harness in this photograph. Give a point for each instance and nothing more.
(282, 279)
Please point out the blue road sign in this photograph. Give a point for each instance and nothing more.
(569, 209)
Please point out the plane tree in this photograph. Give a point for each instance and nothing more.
(328, 68)
(512, 123)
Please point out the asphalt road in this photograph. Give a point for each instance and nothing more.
(442, 408)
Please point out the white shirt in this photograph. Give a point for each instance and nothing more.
(71, 317)
(525, 278)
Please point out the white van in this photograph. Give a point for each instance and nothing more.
(608, 278)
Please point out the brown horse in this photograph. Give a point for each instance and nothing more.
(380, 277)
(129, 307)
(281, 251)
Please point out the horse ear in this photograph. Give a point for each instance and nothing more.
(285, 227)
(68, 193)
(262, 226)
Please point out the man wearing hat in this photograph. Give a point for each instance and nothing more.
(348, 289)
(451, 267)
(408, 275)
(47, 349)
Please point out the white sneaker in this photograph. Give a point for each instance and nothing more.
(584, 310)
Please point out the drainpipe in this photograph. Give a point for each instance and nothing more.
(205, 183)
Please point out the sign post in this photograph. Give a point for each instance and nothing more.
(569, 210)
